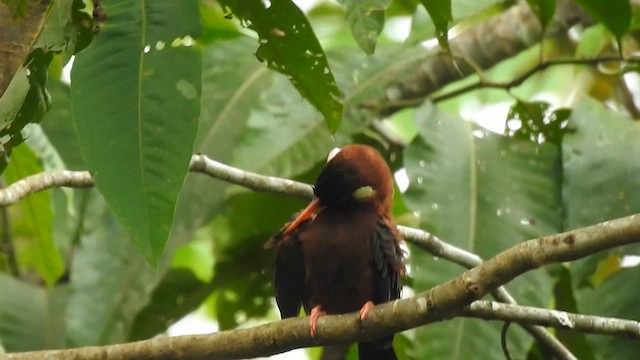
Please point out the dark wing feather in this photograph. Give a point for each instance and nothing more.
(388, 263)
(289, 276)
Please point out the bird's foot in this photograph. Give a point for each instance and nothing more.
(365, 310)
(316, 312)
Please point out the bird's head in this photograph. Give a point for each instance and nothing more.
(354, 175)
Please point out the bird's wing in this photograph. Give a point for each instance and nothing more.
(388, 262)
(289, 276)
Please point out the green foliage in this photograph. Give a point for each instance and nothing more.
(440, 13)
(366, 19)
(31, 317)
(151, 138)
(289, 46)
(32, 224)
(81, 272)
(615, 15)
(482, 192)
(543, 9)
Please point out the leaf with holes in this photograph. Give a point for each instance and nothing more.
(289, 46)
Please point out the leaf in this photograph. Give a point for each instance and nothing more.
(110, 281)
(615, 15)
(536, 122)
(440, 13)
(543, 9)
(366, 19)
(179, 293)
(245, 291)
(485, 193)
(616, 297)
(232, 83)
(58, 126)
(594, 40)
(289, 46)
(277, 143)
(601, 179)
(34, 104)
(32, 222)
(31, 318)
(10, 104)
(132, 103)
(67, 30)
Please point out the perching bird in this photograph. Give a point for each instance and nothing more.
(342, 253)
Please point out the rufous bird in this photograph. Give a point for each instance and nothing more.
(342, 252)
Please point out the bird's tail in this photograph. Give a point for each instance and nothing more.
(376, 350)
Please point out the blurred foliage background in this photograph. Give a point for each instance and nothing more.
(502, 120)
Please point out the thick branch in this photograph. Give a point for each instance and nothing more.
(439, 303)
(482, 47)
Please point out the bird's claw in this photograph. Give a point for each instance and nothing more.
(365, 310)
(316, 312)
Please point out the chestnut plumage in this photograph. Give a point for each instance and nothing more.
(342, 253)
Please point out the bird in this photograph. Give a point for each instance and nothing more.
(342, 253)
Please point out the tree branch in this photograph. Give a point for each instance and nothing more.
(484, 45)
(437, 304)
(202, 164)
(490, 310)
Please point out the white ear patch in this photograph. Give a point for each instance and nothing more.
(363, 193)
(333, 153)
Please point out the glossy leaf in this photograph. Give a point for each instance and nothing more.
(31, 318)
(615, 15)
(289, 45)
(366, 19)
(485, 193)
(32, 222)
(110, 280)
(132, 103)
(440, 13)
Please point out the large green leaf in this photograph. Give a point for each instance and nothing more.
(289, 45)
(601, 179)
(31, 318)
(136, 112)
(110, 280)
(366, 19)
(32, 222)
(485, 193)
(617, 297)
